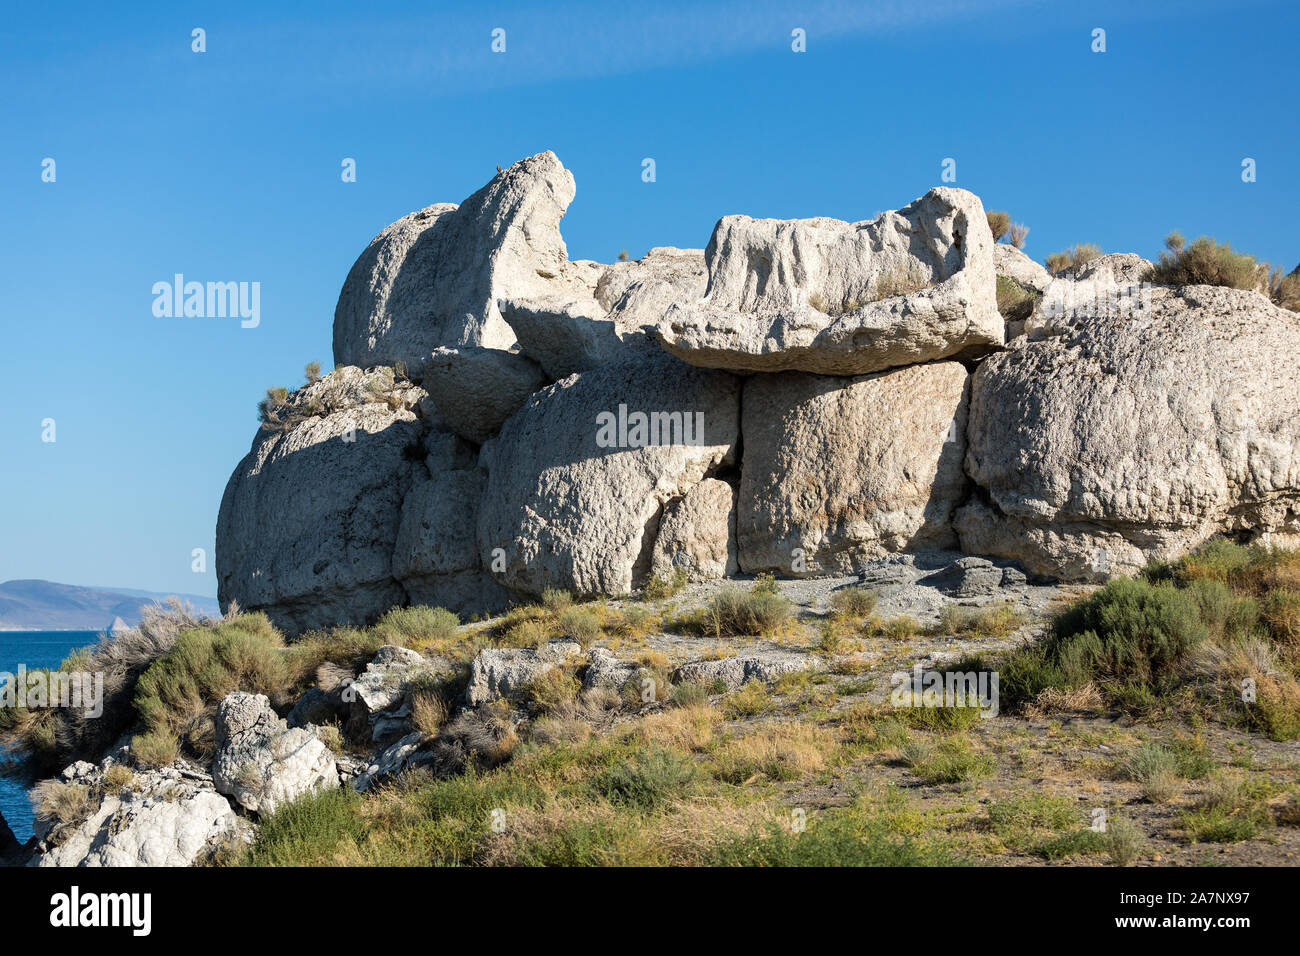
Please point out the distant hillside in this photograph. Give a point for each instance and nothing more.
(46, 606)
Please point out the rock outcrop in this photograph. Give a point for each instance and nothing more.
(838, 471)
(1116, 439)
(163, 817)
(507, 671)
(838, 298)
(577, 478)
(697, 534)
(433, 278)
(263, 763)
(501, 440)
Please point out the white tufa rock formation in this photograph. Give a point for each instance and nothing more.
(488, 431)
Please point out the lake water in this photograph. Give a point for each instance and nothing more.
(31, 649)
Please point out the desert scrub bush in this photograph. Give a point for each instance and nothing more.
(311, 372)
(1232, 809)
(659, 587)
(178, 693)
(1155, 768)
(1024, 812)
(649, 779)
(953, 761)
(1281, 615)
(688, 694)
(1203, 262)
(417, 627)
(1015, 302)
(997, 621)
(903, 627)
(1128, 632)
(55, 801)
(556, 600)
(1284, 290)
(1072, 259)
(853, 602)
(48, 739)
(733, 612)
(750, 701)
(999, 224)
(117, 777)
(1121, 840)
(580, 624)
(551, 690)
(1018, 234)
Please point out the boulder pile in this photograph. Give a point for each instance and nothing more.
(799, 397)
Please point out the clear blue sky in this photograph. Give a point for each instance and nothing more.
(225, 166)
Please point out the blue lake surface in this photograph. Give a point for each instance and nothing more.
(31, 649)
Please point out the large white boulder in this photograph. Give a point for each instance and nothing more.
(838, 471)
(839, 298)
(577, 477)
(433, 278)
(1107, 438)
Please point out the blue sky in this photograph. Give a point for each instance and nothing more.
(225, 166)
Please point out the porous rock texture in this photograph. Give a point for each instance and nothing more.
(837, 471)
(563, 508)
(839, 298)
(1116, 439)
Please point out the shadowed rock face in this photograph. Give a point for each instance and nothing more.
(573, 508)
(838, 471)
(838, 298)
(1098, 438)
(1116, 439)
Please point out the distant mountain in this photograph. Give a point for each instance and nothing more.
(46, 606)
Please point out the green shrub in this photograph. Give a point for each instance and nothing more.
(1130, 632)
(1204, 262)
(835, 838)
(658, 587)
(552, 689)
(580, 624)
(1015, 302)
(853, 602)
(688, 694)
(750, 701)
(416, 626)
(732, 612)
(649, 780)
(179, 691)
(556, 600)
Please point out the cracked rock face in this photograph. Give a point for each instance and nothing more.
(839, 471)
(1113, 440)
(261, 762)
(839, 298)
(697, 534)
(575, 485)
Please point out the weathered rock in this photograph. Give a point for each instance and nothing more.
(734, 672)
(507, 671)
(825, 296)
(309, 517)
(839, 471)
(1115, 439)
(1122, 268)
(617, 318)
(263, 763)
(390, 762)
(433, 278)
(573, 500)
(604, 669)
(435, 553)
(967, 577)
(1014, 264)
(698, 533)
(475, 390)
(160, 819)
